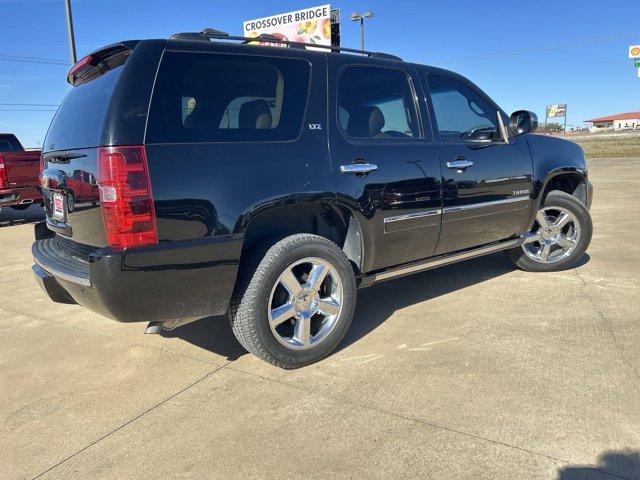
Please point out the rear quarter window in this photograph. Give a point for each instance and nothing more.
(228, 98)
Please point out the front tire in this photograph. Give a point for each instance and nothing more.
(294, 300)
(559, 237)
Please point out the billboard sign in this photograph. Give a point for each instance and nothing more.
(310, 25)
(557, 110)
(634, 51)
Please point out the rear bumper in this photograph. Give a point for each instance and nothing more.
(165, 282)
(18, 196)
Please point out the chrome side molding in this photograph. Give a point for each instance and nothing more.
(409, 216)
(521, 198)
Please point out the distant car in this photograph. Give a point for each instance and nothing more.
(270, 183)
(19, 170)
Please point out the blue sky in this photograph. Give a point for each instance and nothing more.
(524, 55)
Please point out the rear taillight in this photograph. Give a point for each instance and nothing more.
(125, 196)
(3, 174)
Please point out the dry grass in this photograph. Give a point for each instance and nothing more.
(612, 146)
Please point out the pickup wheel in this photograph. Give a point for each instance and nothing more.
(559, 237)
(294, 300)
(71, 202)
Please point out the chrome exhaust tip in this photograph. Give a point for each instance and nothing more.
(167, 325)
(153, 328)
(26, 201)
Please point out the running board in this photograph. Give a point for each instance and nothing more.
(446, 259)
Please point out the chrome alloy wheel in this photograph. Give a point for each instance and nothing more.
(554, 237)
(305, 303)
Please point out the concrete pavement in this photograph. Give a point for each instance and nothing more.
(475, 370)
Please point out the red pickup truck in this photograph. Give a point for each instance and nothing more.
(19, 171)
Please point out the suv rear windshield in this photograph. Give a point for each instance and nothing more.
(227, 98)
(79, 120)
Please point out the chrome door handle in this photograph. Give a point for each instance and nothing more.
(459, 164)
(358, 168)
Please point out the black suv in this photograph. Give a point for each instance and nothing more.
(270, 183)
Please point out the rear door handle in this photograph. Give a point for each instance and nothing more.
(358, 168)
(459, 164)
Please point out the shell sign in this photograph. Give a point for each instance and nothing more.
(634, 51)
(311, 25)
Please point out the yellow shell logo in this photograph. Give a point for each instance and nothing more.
(635, 51)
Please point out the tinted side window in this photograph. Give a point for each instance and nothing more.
(376, 103)
(228, 98)
(461, 113)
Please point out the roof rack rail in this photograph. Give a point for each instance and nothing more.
(212, 34)
(203, 35)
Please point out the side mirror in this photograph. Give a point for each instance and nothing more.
(523, 121)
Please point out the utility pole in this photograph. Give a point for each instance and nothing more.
(72, 40)
(357, 17)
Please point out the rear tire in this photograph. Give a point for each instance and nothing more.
(559, 237)
(294, 300)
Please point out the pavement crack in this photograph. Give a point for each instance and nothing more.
(423, 422)
(130, 421)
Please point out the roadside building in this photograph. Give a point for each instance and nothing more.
(620, 121)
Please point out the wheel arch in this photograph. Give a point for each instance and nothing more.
(572, 180)
(326, 219)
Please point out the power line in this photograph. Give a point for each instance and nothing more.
(28, 29)
(48, 61)
(23, 110)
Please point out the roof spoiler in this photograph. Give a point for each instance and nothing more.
(100, 62)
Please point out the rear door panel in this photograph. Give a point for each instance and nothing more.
(207, 184)
(398, 205)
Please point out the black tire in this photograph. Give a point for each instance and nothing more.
(71, 202)
(259, 272)
(557, 198)
(22, 206)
